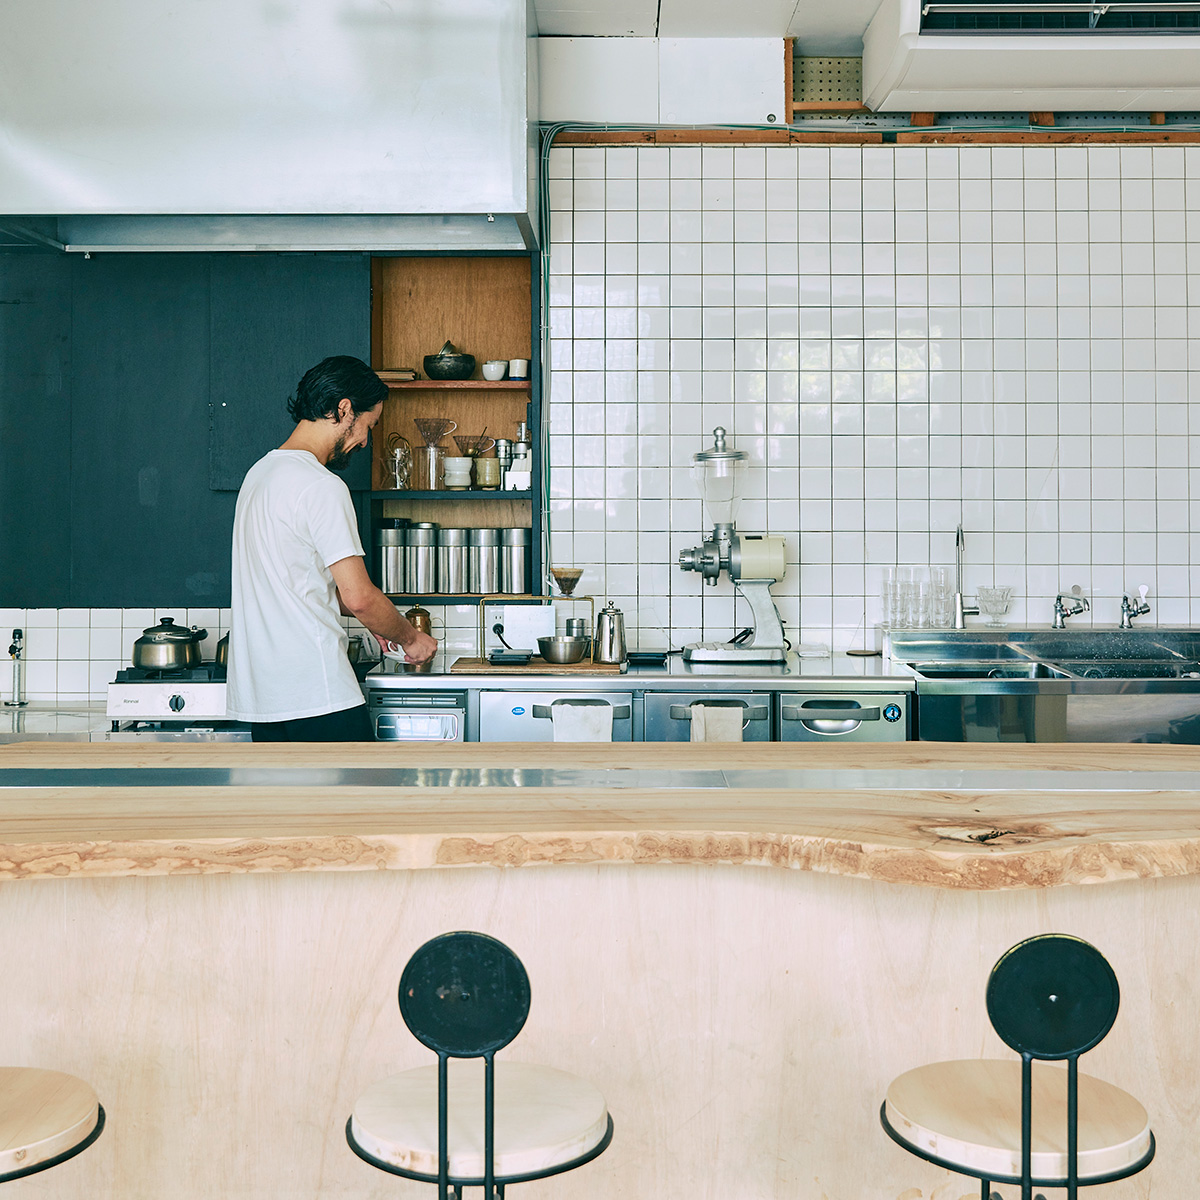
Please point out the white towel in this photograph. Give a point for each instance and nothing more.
(582, 722)
(716, 723)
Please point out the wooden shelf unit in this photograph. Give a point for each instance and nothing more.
(487, 306)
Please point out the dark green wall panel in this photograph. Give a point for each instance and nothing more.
(129, 385)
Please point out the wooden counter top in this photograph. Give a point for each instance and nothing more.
(933, 814)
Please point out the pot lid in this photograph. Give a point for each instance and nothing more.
(720, 450)
(167, 631)
(447, 350)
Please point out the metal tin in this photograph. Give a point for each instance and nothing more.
(484, 561)
(453, 574)
(421, 560)
(390, 551)
(514, 560)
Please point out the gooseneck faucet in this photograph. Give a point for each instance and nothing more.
(959, 611)
(1079, 605)
(1134, 608)
(17, 699)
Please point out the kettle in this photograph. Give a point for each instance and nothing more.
(610, 635)
(422, 621)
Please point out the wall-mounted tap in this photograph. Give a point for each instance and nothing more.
(1134, 608)
(17, 699)
(1078, 603)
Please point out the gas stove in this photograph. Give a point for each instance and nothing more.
(186, 696)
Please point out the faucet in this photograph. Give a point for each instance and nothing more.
(17, 700)
(1134, 608)
(1079, 605)
(959, 611)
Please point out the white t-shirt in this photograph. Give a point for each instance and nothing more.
(287, 646)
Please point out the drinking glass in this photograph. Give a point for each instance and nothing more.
(941, 599)
(993, 603)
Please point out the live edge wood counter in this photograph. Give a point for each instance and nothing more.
(940, 815)
(741, 946)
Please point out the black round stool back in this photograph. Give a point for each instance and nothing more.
(1052, 996)
(464, 994)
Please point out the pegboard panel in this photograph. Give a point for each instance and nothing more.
(836, 80)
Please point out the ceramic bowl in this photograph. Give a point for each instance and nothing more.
(449, 366)
(495, 369)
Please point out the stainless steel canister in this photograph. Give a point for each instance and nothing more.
(514, 560)
(504, 452)
(452, 557)
(421, 560)
(390, 550)
(484, 561)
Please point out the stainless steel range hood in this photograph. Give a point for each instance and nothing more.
(293, 125)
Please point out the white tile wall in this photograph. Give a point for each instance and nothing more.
(903, 338)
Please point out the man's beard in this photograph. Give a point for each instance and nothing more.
(340, 457)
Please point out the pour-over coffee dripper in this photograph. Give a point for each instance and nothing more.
(472, 445)
(567, 578)
(433, 429)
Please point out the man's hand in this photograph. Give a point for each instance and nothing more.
(418, 649)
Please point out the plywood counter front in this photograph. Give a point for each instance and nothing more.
(741, 946)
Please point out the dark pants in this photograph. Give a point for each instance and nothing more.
(349, 725)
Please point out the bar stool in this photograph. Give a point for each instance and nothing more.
(46, 1117)
(1050, 998)
(465, 996)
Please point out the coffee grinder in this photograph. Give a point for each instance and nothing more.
(753, 561)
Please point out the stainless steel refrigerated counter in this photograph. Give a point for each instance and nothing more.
(839, 697)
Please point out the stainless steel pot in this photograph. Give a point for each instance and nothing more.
(221, 658)
(168, 647)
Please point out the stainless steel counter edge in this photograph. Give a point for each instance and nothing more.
(837, 673)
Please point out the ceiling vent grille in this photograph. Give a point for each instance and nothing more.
(1076, 17)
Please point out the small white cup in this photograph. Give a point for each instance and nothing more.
(518, 368)
(494, 369)
(457, 474)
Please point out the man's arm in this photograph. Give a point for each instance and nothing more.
(359, 597)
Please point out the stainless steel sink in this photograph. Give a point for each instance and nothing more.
(1130, 669)
(1053, 685)
(976, 645)
(988, 670)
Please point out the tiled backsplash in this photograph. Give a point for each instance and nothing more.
(903, 338)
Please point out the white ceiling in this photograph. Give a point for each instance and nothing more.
(819, 26)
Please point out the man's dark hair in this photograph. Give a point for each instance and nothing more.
(323, 387)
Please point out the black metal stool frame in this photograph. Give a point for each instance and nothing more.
(442, 978)
(9, 1176)
(1028, 1018)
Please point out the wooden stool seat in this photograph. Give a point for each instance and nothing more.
(967, 1115)
(45, 1116)
(545, 1119)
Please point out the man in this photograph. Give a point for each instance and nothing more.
(298, 564)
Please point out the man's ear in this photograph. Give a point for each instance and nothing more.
(344, 409)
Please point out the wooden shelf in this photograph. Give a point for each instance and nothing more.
(464, 598)
(430, 385)
(465, 494)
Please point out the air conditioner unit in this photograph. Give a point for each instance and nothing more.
(1032, 57)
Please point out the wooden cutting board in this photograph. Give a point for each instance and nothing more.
(537, 666)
